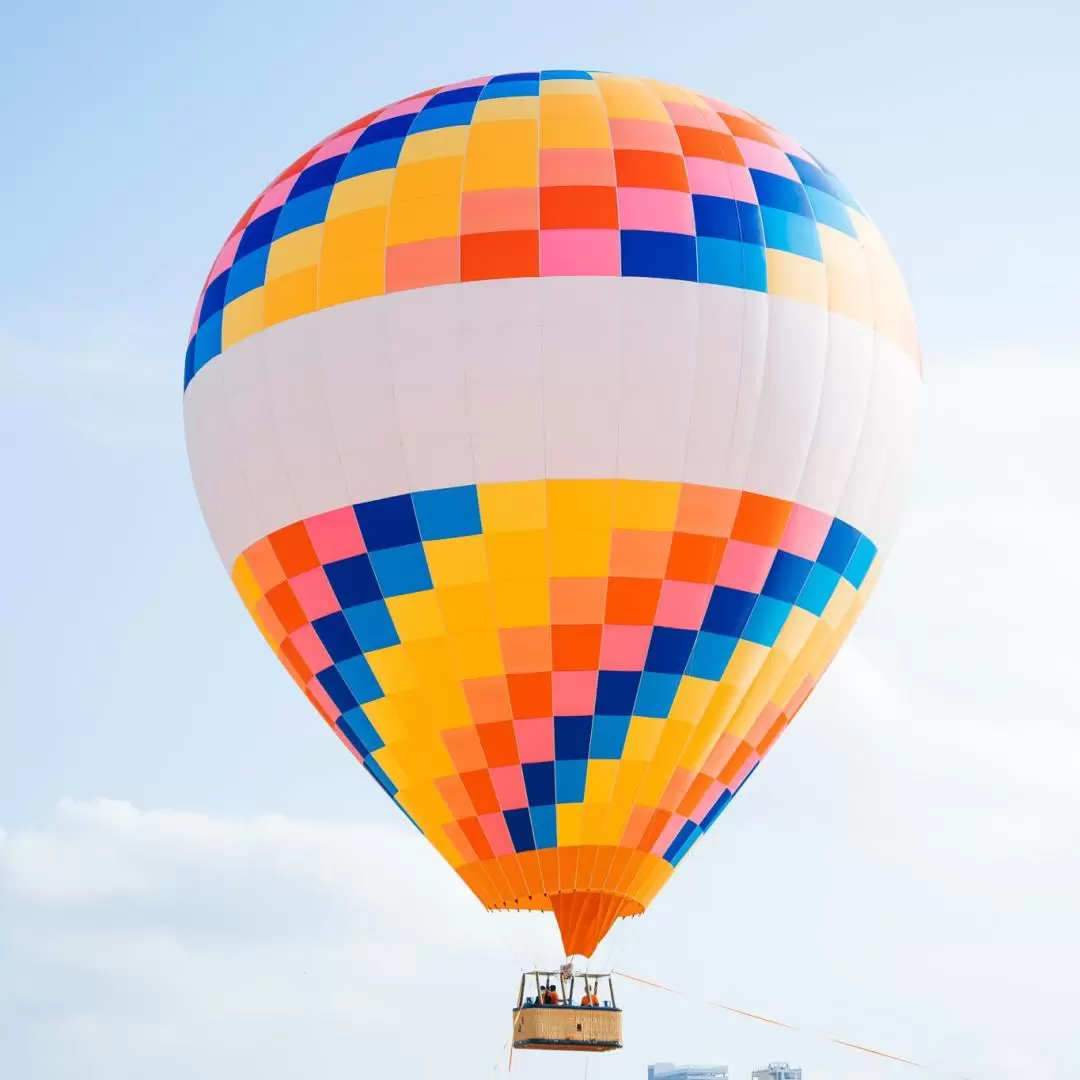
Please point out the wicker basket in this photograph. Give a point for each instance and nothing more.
(567, 1027)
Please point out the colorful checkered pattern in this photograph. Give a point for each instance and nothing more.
(562, 683)
(540, 174)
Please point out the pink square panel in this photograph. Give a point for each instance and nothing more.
(745, 566)
(658, 211)
(580, 252)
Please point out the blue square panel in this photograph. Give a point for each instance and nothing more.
(357, 728)
(336, 689)
(353, 581)
(616, 692)
(570, 781)
(766, 620)
(401, 570)
(669, 650)
(336, 636)
(372, 626)
(817, 592)
(447, 512)
(539, 782)
(572, 736)
(658, 255)
(710, 657)
(519, 824)
(839, 545)
(608, 737)
(360, 679)
(656, 694)
(388, 523)
(787, 575)
(728, 611)
(544, 826)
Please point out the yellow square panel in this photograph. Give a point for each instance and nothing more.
(850, 295)
(507, 108)
(522, 603)
(667, 92)
(413, 714)
(580, 505)
(431, 660)
(478, 656)
(447, 142)
(691, 699)
(837, 607)
(361, 274)
(627, 783)
(458, 561)
(392, 668)
(842, 252)
(467, 608)
(362, 230)
(449, 705)
(425, 806)
(797, 629)
(245, 584)
(360, 193)
(593, 821)
(423, 178)
(294, 252)
(289, 296)
(424, 219)
(796, 277)
(494, 171)
(569, 818)
(504, 137)
(629, 99)
(550, 88)
(384, 718)
(580, 554)
(744, 664)
(242, 317)
(575, 132)
(390, 764)
(513, 506)
(646, 504)
(642, 738)
(416, 615)
(424, 753)
(599, 780)
(518, 556)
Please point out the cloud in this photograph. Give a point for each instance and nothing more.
(128, 935)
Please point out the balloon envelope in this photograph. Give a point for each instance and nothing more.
(552, 427)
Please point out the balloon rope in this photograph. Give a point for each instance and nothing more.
(791, 1027)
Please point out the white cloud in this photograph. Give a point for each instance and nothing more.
(127, 934)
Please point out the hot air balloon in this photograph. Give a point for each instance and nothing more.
(553, 427)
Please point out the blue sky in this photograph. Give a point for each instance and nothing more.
(138, 133)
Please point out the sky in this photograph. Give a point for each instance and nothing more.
(196, 880)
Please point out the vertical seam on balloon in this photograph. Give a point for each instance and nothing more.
(739, 396)
(619, 294)
(543, 430)
(541, 295)
(509, 894)
(716, 540)
(759, 680)
(391, 371)
(650, 770)
(318, 370)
